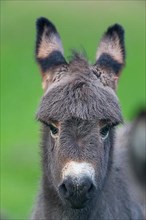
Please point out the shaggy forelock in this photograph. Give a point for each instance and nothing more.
(79, 94)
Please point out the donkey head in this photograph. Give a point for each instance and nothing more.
(78, 111)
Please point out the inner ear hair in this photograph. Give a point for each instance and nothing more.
(47, 38)
(111, 51)
(107, 62)
(49, 49)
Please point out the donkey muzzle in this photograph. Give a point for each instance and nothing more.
(77, 191)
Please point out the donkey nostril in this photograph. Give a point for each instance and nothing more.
(63, 190)
(91, 188)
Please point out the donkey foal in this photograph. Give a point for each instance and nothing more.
(78, 112)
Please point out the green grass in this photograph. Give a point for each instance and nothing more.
(81, 24)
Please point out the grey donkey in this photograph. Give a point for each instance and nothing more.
(79, 112)
(131, 140)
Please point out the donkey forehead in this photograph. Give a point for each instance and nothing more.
(79, 97)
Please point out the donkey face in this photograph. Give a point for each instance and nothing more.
(79, 109)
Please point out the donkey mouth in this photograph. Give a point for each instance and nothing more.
(78, 204)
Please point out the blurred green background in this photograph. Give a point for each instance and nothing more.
(80, 24)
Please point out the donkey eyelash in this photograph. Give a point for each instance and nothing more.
(53, 129)
(104, 131)
(43, 122)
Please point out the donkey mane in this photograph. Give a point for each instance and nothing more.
(80, 94)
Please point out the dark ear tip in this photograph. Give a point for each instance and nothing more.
(116, 28)
(42, 22)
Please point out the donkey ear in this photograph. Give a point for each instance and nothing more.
(49, 50)
(110, 56)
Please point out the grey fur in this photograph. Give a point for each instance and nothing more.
(79, 94)
(80, 101)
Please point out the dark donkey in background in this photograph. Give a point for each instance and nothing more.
(78, 112)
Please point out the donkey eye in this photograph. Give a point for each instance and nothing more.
(104, 132)
(53, 129)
